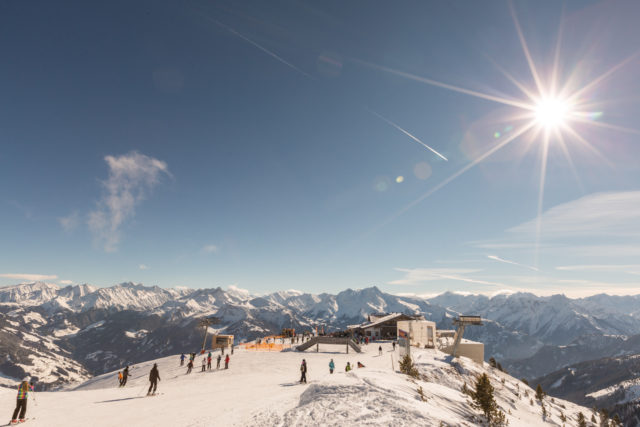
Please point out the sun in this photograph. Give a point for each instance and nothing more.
(552, 112)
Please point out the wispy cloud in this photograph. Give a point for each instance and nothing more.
(131, 177)
(29, 277)
(599, 214)
(143, 267)
(19, 206)
(65, 282)
(69, 222)
(506, 261)
(414, 276)
(210, 249)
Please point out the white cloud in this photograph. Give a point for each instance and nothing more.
(29, 277)
(210, 249)
(69, 222)
(414, 276)
(143, 267)
(131, 177)
(65, 282)
(599, 214)
(506, 261)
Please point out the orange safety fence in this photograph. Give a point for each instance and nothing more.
(265, 347)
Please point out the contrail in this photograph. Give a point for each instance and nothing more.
(258, 45)
(415, 138)
(506, 261)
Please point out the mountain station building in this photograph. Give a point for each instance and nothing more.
(382, 325)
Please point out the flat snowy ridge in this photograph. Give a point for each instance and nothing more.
(261, 388)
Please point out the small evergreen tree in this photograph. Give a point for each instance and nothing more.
(407, 367)
(499, 366)
(582, 422)
(484, 400)
(524, 380)
(492, 362)
(539, 393)
(593, 419)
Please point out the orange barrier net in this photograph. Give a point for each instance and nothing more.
(266, 347)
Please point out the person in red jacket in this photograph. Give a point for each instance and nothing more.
(226, 362)
(21, 404)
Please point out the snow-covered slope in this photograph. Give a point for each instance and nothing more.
(101, 328)
(261, 388)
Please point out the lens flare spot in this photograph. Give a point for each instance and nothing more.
(422, 171)
(497, 135)
(381, 184)
(399, 179)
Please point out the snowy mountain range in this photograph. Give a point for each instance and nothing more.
(85, 330)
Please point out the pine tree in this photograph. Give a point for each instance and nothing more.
(593, 419)
(582, 422)
(492, 362)
(539, 393)
(407, 367)
(484, 400)
(499, 366)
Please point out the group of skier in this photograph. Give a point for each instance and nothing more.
(122, 377)
(206, 361)
(332, 367)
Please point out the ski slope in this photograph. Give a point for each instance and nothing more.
(261, 388)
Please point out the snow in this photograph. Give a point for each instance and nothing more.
(631, 388)
(136, 334)
(261, 388)
(558, 382)
(65, 332)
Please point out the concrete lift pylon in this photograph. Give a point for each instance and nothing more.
(461, 322)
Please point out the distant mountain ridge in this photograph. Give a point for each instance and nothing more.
(103, 328)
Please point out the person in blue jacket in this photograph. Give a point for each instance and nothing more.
(332, 366)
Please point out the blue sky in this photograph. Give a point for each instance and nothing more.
(303, 144)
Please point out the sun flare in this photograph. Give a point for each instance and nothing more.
(552, 112)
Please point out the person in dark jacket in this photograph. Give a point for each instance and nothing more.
(125, 375)
(218, 364)
(189, 366)
(303, 372)
(154, 377)
(21, 404)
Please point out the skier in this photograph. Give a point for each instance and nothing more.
(226, 362)
(360, 365)
(182, 357)
(332, 366)
(303, 372)
(189, 366)
(222, 350)
(21, 404)
(231, 349)
(119, 378)
(154, 377)
(394, 345)
(204, 364)
(125, 375)
(209, 361)
(348, 367)
(218, 364)
(380, 350)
